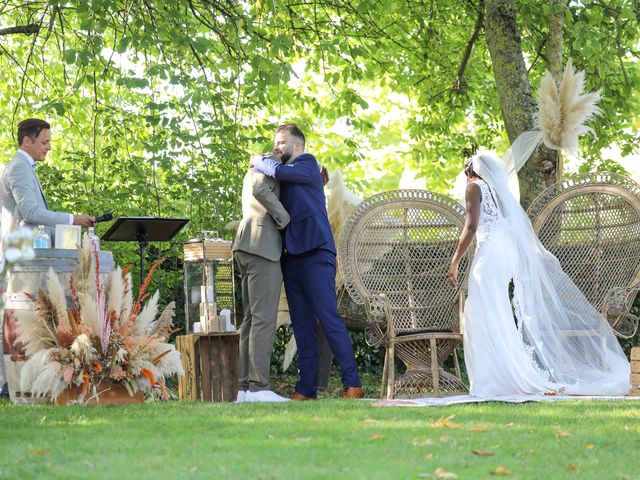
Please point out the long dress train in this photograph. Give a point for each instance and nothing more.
(530, 357)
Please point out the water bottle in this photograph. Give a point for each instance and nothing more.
(41, 239)
(94, 240)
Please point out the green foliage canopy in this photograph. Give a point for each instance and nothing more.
(157, 106)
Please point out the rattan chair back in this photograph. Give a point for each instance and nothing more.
(400, 243)
(591, 223)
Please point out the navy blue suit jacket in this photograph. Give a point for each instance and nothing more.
(302, 195)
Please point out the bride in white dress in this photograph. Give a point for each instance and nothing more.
(557, 341)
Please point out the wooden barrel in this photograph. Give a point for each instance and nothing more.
(24, 279)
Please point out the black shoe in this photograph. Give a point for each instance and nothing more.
(5, 391)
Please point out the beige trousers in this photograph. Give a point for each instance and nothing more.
(261, 284)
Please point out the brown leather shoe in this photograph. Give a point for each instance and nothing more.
(353, 392)
(300, 397)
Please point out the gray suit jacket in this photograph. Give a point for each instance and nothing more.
(22, 198)
(258, 232)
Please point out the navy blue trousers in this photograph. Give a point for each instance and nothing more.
(310, 284)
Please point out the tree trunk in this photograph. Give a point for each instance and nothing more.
(555, 48)
(514, 93)
(555, 44)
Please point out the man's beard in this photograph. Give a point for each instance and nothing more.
(284, 156)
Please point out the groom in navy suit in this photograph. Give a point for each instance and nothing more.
(309, 263)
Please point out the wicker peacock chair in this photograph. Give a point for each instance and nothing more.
(591, 223)
(394, 253)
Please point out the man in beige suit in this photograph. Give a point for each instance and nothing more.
(257, 249)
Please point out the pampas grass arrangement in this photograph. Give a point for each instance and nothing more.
(564, 109)
(105, 337)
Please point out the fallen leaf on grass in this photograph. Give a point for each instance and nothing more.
(563, 434)
(417, 442)
(376, 436)
(439, 473)
(482, 453)
(590, 446)
(501, 471)
(446, 422)
(38, 453)
(509, 425)
(444, 439)
(429, 457)
(369, 421)
(478, 428)
(572, 467)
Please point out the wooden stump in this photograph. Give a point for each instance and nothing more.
(107, 394)
(211, 366)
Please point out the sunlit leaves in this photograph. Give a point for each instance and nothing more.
(157, 106)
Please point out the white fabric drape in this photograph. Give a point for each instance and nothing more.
(568, 338)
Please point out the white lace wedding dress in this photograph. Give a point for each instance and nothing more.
(532, 356)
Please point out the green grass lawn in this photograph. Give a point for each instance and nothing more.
(323, 439)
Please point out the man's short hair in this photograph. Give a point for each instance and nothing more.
(293, 130)
(31, 127)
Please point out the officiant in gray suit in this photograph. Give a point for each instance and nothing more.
(21, 195)
(257, 248)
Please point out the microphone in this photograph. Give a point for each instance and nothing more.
(104, 218)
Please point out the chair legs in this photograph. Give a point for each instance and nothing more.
(435, 370)
(456, 363)
(385, 375)
(425, 375)
(391, 370)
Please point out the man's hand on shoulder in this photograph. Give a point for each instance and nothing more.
(84, 220)
(265, 165)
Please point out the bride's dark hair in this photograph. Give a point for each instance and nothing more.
(468, 168)
(469, 153)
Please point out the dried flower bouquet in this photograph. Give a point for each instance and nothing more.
(104, 337)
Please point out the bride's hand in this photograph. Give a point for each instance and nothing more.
(452, 277)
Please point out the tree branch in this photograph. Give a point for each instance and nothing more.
(459, 84)
(26, 30)
(555, 45)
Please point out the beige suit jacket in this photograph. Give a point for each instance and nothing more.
(264, 218)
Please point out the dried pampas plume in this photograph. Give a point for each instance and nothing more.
(563, 111)
(145, 318)
(85, 274)
(116, 292)
(34, 334)
(163, 324)
(58, 300)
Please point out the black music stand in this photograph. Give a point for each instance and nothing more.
(144, 230)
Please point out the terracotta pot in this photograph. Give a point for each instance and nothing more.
(108, 394)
